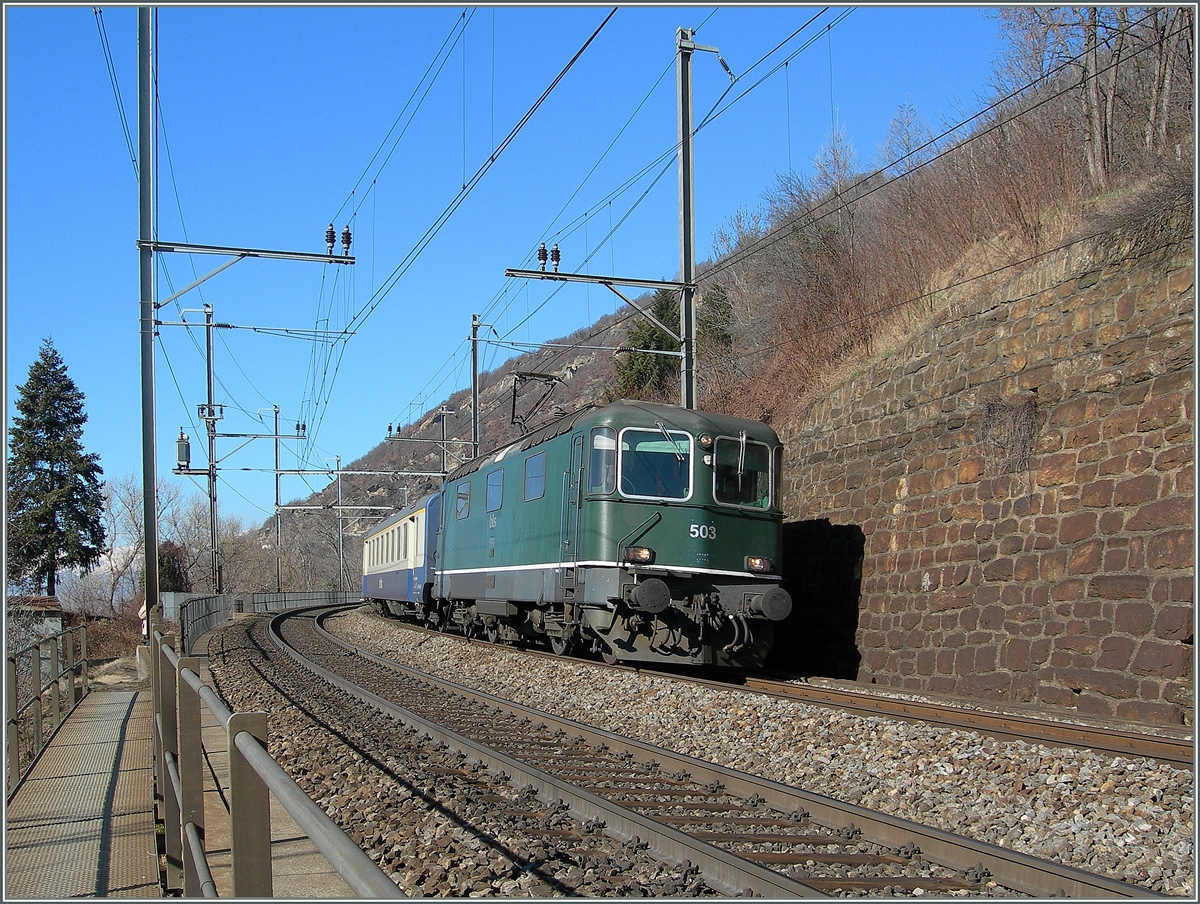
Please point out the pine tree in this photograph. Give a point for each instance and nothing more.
(647, 376)
(173, 568)
(54, 495)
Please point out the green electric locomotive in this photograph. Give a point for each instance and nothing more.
(642, 532)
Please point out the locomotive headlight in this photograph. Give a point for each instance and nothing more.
(638, 555)
(705, 441)
(759, 565)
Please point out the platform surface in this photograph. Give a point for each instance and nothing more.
(82, 823)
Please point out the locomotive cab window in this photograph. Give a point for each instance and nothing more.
(602, 468)
(655, 464)
(742, 473)
(462, 500)
(495, 490)
(535, 477)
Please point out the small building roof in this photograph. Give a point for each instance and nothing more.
(34, 603)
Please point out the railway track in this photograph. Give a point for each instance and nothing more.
(1111, 738)
(1121, 741)
(742, 833)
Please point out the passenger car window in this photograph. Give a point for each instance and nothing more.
(462, 500)
(495, 490)
(535, 476)
(742, 473)
(656, 464)
(602, 468)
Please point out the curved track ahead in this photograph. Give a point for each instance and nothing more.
(734, 827)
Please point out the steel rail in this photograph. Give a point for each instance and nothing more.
(728, 872)
(1011, 869)
(1014, 726)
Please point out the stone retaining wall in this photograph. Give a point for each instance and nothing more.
(1022, 478)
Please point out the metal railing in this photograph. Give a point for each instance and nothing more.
(36, 706)
(253, 776)
(203, 613)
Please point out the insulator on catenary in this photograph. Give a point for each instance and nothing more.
(330, 238)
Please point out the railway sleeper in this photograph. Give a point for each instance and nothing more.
(907, 883)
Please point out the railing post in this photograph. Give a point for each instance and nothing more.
(185, 633)
(35, 678)
(191, 771)
(85, 683)
(13, 734)
(249, 812)
(172, 828)
(69, 668)
(50, 644)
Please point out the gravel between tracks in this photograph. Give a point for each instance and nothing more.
(438, 826)
(1130, 818)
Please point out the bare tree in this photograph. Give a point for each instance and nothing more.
(117, 584)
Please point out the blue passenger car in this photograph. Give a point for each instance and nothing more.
(400, 558)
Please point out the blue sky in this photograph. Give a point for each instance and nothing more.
(270, 120)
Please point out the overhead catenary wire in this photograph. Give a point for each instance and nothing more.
(710, 272)
(433, 230)
(668, 155)
(671, 153)
(783, 230)
(442, 54)
(116, 88)
(393, 279)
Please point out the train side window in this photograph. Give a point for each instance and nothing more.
(602, 466)
(535, 477)
(404, 542)
(495, 490)
(777, 477)
(462, 500)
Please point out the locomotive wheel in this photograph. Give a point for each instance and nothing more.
(609, 657)
(565, 645)
(492, 632)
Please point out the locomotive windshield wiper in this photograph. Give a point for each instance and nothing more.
(741, 459)
(671, 442)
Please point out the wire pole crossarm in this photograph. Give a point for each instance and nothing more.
(610, 281)
(329, 472)
(397, 438)
(188, 248)
(258, 436)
